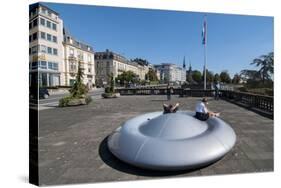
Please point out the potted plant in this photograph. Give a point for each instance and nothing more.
(110, 91)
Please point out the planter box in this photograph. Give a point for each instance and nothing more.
(76, 102)
(110, 95)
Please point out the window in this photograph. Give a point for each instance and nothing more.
(80, 56)
(35, 22)
(71, 51)
(72, 66)
(43, 35)
(55, 66)
(43, 49)
(54, 26)
(48, 24)
(43, 10)
(34, 50)
(49, 37)
(34, 36)
(50, 65)
(89, 70)
(30, 38)
(89, 58)
(49, 13)
(43, 65)
(30, 25)
(42, 21)
(29, 51)
(54, 39)
(55, 51)
(34, 65)
(49, 50)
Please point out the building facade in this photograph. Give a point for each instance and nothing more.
(108, 62)
(45, 46)
(53, 53)
(171, 73)
(75, 52)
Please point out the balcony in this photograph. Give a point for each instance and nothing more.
(72, 57)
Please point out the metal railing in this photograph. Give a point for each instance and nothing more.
(262, 102)
(163, 91)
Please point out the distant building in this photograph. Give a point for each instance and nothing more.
(75, 51)
(171, 73)
(110, 62)
(151, 66)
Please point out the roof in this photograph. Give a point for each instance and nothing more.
(76, 43)
(36, 5)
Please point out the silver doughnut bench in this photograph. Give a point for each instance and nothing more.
(174, 141)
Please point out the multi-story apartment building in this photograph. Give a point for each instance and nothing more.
(171, 73)
(53, 53)
(109, 62)
(74, 52)
(45, 46)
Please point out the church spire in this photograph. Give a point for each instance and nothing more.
(183, 65)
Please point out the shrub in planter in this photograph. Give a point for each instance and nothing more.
(110, 95)
(110, 91)
(78, 92)
(64, 101)
(88, 99)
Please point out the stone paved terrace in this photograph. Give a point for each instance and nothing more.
(72, 141)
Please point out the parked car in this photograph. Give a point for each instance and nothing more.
(43, 93)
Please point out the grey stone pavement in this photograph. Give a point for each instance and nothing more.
(72, 141)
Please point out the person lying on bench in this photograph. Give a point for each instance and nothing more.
(170, 108)
(202, 112)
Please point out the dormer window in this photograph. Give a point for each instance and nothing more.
(43, 10)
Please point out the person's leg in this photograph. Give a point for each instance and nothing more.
(165, 108)
(213, 114)
(202, 116)
(175, 107)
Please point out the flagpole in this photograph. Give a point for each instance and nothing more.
(205, 54)
(205, 68)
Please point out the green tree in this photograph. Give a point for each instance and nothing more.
(127, 77)
(253, 75)
(112, 83)
(265, 63)
(236, 79)
(79, 89)
(151, 75)
(189, 75)
(217, 78)
(197, 76)
(224, 77)
(210, 76)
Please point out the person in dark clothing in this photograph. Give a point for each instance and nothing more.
(169, 92)
(170, 108)
(202, 113)
(216, 91)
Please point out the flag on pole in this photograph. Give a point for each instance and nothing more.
(204, 33)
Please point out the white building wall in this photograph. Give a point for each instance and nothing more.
(54, 43)
(71, 55)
